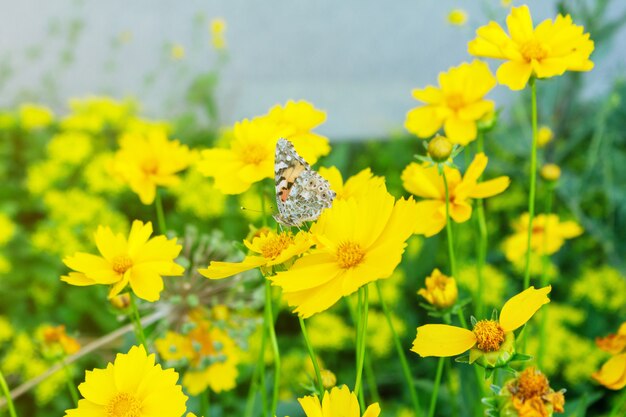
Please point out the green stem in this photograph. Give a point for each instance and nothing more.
(254, 383)
(403, 361)
(449, 227)
(261, 368)
(205, 403)
(544, 280)
(141, 336)
(482, 241)
(159, 211)
(70, 383)
(371, 380)
(269, 320)
(533, 181)
(363, 330)
(318, 374)
(7, 395)
(621, 402)
(435, 394)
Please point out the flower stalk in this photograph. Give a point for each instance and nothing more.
(158, 202)
(136, 319)
(533, 178)
(435, 394)
(269, 323)
(316, 367)
(545, 279)
(482, 239)
(7, 395)
(361, 339)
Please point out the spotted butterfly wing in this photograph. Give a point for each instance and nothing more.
(301, 193)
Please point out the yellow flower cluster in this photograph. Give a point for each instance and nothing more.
(613, 373)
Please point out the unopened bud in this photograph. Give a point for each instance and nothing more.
(550, 172)
(440, 149)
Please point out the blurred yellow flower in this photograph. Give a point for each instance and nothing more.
(529, 395)
(131, 386)
(204, 202)
(544, 136)
(488, 337)
(34, 116)
(177, 52)
(457, 104)
(425, 182)
(6, 330)
(548, 50)
(218, 28)
(339, 402)
(441, 291)
(357, 186)
(379, 336)
(614, 343)
(548, 235)
(70, 147)
(604, 288)
(550, 172)
(95, 114)
(493, 294)
(613, 373)
(7, 229)
(138, 261)
(358, 241)
(457, 17)
(250, 155)
(150, 160)
(268, 249)
(329, 331)
(55, 337)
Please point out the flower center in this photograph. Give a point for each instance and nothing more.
(123, 405)
(150, 166)
(455, 101)
(275, 245)
(349, 254)
(121, 263)
(530, 384)
(533, 50)
(489, 335)
(253, 153)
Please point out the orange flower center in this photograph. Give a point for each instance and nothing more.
(150, 166)
(531, 383)
(275, 245)
(489, 335)
(349, 254)
(455, 101)
(253, 153)
(533, 50)
(121, 263)
(123, 405)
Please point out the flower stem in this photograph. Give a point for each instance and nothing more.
(371, 380)
(435, 394)
(269, 321)
(254, 383)
(482, 240)
(205, 403)
(159, 211)
(318, 374)
(405, 365)
(449, 227)
(362, 340)
(544, 280)
(533, 180)
(619, 405)
(136, 319)
(7, 395)
(70, 383)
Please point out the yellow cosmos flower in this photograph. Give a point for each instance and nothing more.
(530, 395)
(138, 261)
(250, 155)
(148, 160)
(425, 182)
(357, 186)
(487, 336)
(358, 242)
(267, 250)
(131, 386)
(457, 17)
(548, 50)
(339, 402)
(457, 105)
(613, 373)
(441, 291)
(548, 235)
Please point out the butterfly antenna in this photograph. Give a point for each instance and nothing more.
(252, 210)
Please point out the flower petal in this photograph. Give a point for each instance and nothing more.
(219, 270)
(430, 221)
(423, 181)
(428, 95)
(423, 121)
(521, 307)
(613, 373)
(514, 74)
(442, 340)
(520, 24)
(490, 188)
(460, 131)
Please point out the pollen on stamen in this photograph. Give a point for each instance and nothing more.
(121, 264)
(489, 335)
(349, 254)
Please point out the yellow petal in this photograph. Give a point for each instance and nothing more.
(520, 24)
(334, 178)
(442, 340)
(491, 42)
(99, 385)
(613, 373)
(78, 278)
(308, 272)
(430, 221)
(460, 131)
(372, 411)
(146, 283)
(521, 307)
(422, 182)
(423, 121)
(490, 188)
(428, 95)
(475, 111)
(569, 229)
(219, 270)
(311, 406)
(138, 236)
(514, 74)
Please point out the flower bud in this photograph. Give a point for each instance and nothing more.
(529, 394)
(440, 149)
(544, 136)
(329, 379)
(441, 291)
(121, 301)
(550, 172)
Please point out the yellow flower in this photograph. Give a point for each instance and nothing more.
(544, 136)
(357, 242)
(441, 291)
(70, 147)
(613, 343)
(329, 331)
(339, 402)
(550, 172)
(147, 161)
(548, 235)
(548, 50)
(268, 249)
(131, 386)
(177, 52)
(613, 373)
(33, 116)
(7, 229)
(218, 27)
(138, 261)
(54, 336)
(457, 105)
(357, 186)
(250, 155)
(426, 182)
(457, 17)
(487, 337)
(530, 395)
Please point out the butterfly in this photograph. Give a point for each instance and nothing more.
(301, 193)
